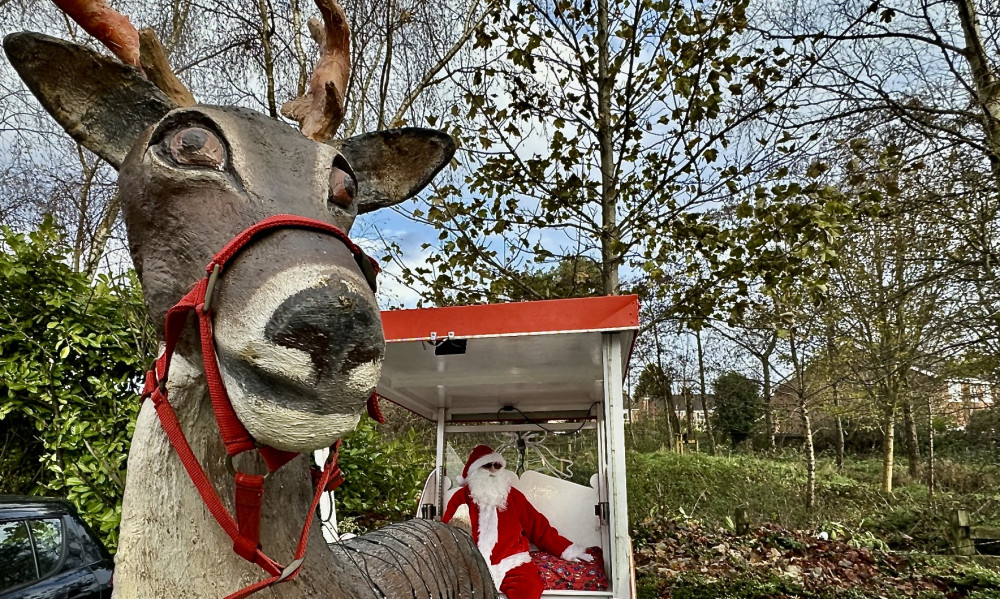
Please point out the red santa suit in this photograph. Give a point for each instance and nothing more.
(503, 535)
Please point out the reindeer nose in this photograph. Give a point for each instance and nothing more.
(339, 328)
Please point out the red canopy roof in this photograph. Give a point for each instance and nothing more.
(608, 313)
(544, 356)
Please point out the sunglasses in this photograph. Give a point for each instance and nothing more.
(493, 466)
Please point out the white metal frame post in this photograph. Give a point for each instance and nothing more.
(614, 422)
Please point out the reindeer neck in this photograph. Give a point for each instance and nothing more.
(170, 545)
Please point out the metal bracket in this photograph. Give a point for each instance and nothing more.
(602, 510)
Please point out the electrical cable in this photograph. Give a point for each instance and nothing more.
(530, 420)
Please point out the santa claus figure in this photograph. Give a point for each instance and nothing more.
(503, 523)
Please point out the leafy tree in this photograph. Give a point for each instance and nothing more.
(571, 277)
(896, 289)
(757, 334)
(654, 382)
(738, 407)
(927, 68)
(613, 130)
(72, 353)
(245, 52)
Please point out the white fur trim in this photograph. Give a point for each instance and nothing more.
(499, 571)
(486, 459)
(488, 532)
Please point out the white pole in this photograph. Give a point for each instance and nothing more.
(614, 419)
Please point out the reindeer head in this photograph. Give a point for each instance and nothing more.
(297, 329)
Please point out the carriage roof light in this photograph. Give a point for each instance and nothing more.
(450, 347)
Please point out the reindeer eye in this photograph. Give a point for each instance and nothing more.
(342, 188)
(195, 146)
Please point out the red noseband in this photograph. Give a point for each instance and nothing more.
(244, 530)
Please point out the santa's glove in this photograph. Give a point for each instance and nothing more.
(575, 553)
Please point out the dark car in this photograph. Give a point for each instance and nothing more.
(47, 552)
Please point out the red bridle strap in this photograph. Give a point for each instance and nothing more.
(244, 530)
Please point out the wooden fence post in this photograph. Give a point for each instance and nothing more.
(741, 520)
(961, 533)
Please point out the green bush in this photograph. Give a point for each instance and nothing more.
(738, 407)
(72, 355)
(382, 477)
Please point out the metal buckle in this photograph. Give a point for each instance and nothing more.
(232, 468)
(288, 571)
(206, 306)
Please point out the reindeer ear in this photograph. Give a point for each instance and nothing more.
(102, 103)
(394, 165)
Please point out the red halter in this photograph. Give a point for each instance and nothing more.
(244, 530)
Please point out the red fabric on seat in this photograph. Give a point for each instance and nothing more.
(562, 575)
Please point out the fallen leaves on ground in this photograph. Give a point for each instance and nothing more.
(676, 558)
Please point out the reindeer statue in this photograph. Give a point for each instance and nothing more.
(275, 351)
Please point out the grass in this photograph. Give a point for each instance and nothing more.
(708, 489)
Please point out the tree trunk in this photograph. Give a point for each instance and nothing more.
(81, 240)
(840, 444)
(674, 418)
(265, 39)
(300, 53)
(765, 365)
(810, 453)
(840, 427)
(831, 351)
(806, 422)
(385, 76)
(610, 255)
(930, 447)
(668, 393)
(912, 446)
(689, 412)
(668, 408)
(102, 234)
(704, 398)
(987, 93)
(888, 439)
(179, 17)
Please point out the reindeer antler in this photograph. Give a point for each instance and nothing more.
(320, 111)
(117, 34)
(106, 25)
(158, 71)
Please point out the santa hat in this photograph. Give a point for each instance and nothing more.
(480, 456)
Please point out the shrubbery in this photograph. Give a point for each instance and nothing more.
(72, 355)
(382, 477)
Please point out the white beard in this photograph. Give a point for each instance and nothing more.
(489, 489)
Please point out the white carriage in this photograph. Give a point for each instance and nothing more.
(520, 368)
